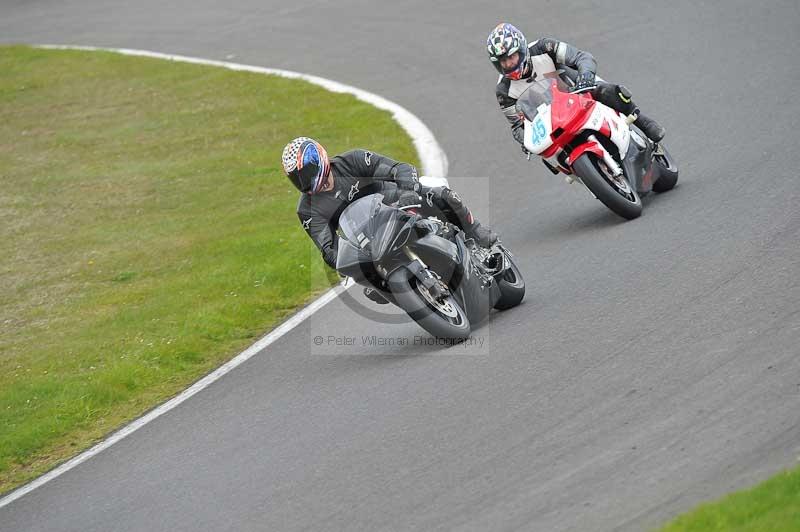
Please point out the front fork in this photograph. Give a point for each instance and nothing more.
(613, 166)
(427, 277)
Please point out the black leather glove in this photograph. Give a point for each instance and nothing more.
(585, 82)
(408, 198)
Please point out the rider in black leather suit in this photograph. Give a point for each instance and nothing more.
(330, 185)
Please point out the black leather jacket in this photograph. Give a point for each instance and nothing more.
(356, 173)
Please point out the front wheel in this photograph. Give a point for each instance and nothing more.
(442, 318)
(615, 192)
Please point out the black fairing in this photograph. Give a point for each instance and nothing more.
(353, 262)
(439, 254)
(372, 233)
(477, 298)
(638, 165)
(375, 234)
(453, 262)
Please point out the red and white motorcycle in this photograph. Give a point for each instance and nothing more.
(595, 145)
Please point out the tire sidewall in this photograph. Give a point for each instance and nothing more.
(426, 317)
(585, 168)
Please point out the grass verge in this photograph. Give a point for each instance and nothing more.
(773, 505)
(147, 233)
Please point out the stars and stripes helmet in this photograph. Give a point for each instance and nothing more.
(503, 41)
(306, 163)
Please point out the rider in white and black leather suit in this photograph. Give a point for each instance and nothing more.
(520, 63)
(330, 185)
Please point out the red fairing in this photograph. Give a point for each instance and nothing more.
(605, 129)
(591, 146)
(570, 111)
(568, 114)
(552, 150)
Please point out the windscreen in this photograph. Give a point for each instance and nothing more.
(540, 92)
(354, 221)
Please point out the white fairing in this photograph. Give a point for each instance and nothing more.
(620, 131)
(430, 181)
(537, 133)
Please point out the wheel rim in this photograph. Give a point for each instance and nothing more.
(445, 308)
(619, 183)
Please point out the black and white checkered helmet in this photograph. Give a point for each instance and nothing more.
(503, 41)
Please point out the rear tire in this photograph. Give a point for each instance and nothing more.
(445, 319)
(512, 286)
(667, 171)
(625, 203)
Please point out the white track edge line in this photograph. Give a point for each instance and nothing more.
(434, 163)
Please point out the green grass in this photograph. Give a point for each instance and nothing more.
(773, 505)
(147, 233)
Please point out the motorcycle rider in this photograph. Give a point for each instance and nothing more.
(520, 63)
(330, 185)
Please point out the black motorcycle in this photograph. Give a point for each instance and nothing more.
(425, 266)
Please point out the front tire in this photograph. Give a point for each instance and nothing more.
(443, 319)
(619, 197)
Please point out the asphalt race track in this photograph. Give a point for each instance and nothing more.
(653, 364)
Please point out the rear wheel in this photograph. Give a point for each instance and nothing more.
(667, 170)
(512, 286)
(443, 318)
(615, 192)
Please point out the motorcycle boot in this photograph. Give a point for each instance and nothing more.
(650, 127)
(484, 236)
(619, 98)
